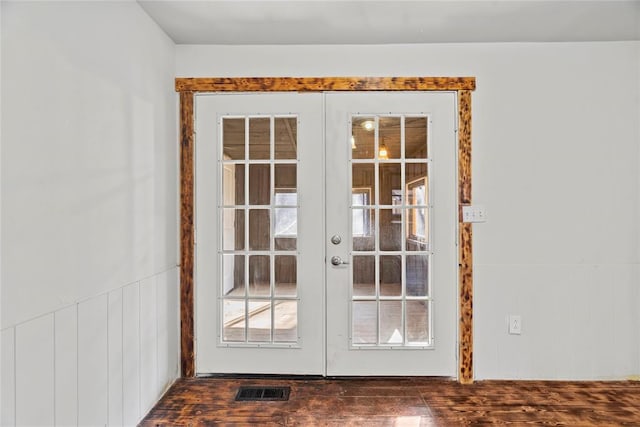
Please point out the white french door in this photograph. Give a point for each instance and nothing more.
(325, 234)
(259, 231)
(391, 215)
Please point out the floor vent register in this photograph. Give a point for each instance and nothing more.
(262, 393)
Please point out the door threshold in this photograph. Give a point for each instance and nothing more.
(322, 377)
(262, 376)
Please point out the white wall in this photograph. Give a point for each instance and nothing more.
(555, 161)
(89, 292)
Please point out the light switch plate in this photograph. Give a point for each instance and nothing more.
(474, 213)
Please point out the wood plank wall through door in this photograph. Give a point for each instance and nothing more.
(188, 87)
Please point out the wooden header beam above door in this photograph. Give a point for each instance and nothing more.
(189, 86)
(323, 84)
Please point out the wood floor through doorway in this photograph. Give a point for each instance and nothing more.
(401, 402)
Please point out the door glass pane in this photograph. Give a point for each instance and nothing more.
(259, 320)
(259, 226)
(233, 138)
(390, 230)
(363, 137)
(285, 219)
(417, 193)
(365, 320)
(233, 275)
(416, 172)
(286, 138)
(285, 180)
(417, 321)
(363, 229)
(286, 222)
(259, 138)
(415, 137)
(259, 184)
(285, 318)
(390, 182)
(389, 147)
(233, 320)
(364, 275)
(285, 243)
(233, 229)
(361, 196)
(233, 184)
(391, 322)
(363, 183)
(285, 197)
(259, 275)
(417, 229)
(286, 275)
(390, 275)
(417, 219)
(417, 274)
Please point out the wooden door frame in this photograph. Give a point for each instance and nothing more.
(188, 87)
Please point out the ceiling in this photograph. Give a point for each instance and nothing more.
(238, 22)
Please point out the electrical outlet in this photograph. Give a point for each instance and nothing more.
(515, 325)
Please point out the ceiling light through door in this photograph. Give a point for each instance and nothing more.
(368, 125)
(383, 153)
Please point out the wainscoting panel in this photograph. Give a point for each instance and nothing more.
(168, 328)
(93, 389)
(102, 361)
(115, 358)
(148, 344)
(66, 364)
(34, 372)
(7, 373)
(131, 353)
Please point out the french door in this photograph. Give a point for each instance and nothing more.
(392, 309)
(325, 234)
(259, 231)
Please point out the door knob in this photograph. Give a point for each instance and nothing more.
(336, 260)
(335, 239)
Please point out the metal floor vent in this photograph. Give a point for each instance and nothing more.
(262, 393)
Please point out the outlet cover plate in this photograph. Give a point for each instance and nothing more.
(515, 325)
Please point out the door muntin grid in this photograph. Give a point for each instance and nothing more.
(391, 304)
(258, 289)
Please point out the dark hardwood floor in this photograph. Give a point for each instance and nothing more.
(401, 402)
